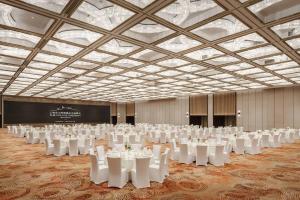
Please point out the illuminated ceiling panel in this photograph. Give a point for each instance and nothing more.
(104, 50)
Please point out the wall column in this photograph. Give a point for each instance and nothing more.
(121, 113)
(210, 110)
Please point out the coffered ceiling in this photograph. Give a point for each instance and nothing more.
(114, 50)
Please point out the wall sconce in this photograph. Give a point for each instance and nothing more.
(238, 113)
(119, 115)
(135, 115)
(187, 114)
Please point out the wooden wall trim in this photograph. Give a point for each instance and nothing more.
(130, 109)
(113, 107)
(199, 105)
(224, 103)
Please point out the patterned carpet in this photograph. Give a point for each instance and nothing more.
(27, 173)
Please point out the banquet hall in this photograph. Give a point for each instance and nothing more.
(150, 99)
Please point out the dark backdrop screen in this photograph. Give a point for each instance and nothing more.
(32, 112)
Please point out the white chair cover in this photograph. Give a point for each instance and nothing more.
(73, 147)
(140, 175)
(201, 155)
(98, 173)
(217, 158)
(117, 176)
(184, 155)
(157, 170)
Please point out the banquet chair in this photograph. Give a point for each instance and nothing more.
(265, 140)
(290, 138)
(157, 170)
(184, 135)
(120, 139)
(111, 140)
(227, 151)
(283, 137)
(275, 141)
(163, 138)
(21, 133)
(140, 175)
(254, 147)
(52, 134)
(136, 147)
(297, 134)
(194, 140)
(49, 147)
(119, 147)
(156, 151)
(100, 154)
(92, 152)
(217, 158)
(174, 150)
(132, 139)
(172, 137)
(239, 146)
(142, 139)
(98, 134)
(9, 129)
(73, 147)
(59, 148)
(184, 155)
(42, 137)
(193, 134)
(201, 155)
(98, 172)
(117, 176)
(84, 148)
(92, 142)
(183, 140)
(166, 166)
(154, 139)
(32, 139)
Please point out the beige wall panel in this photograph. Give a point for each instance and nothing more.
(245, 111)
(170, 111)
(185, 111)
(297, 107)
(121, 109)
(268, 109)
(252, 111)
(278, 108)
(178, 112)
(288, 107)
(258, 110)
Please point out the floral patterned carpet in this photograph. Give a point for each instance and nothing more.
(27, 173)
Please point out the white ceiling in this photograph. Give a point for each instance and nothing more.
(144, 49)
